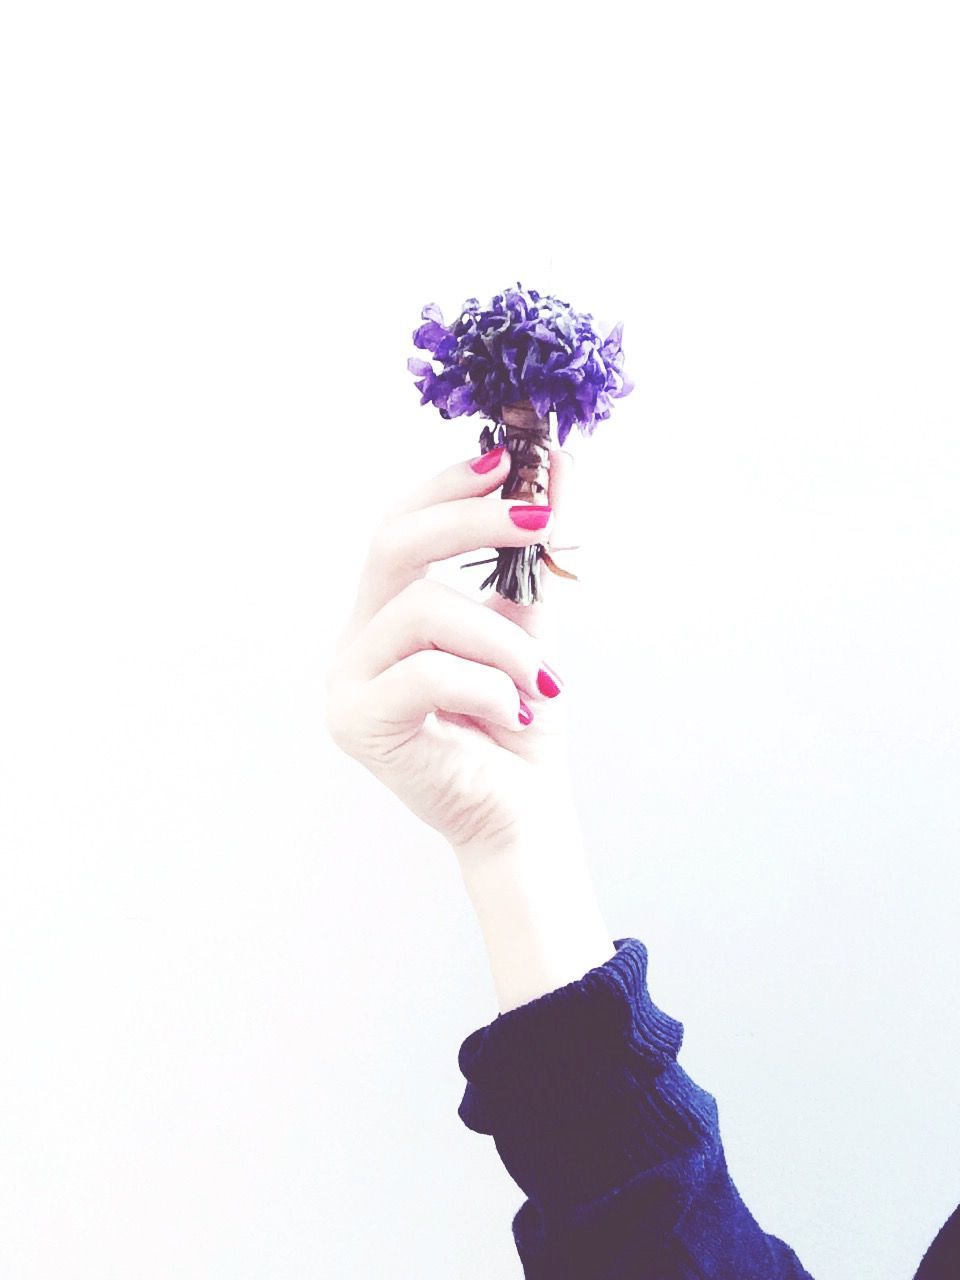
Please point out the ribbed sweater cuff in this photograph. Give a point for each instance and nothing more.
(555, 1047)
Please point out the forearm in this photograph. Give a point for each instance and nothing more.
(617, 1150)
(538, 911)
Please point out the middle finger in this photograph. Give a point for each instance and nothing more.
(431, 615)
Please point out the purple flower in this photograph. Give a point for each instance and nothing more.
(521, 346)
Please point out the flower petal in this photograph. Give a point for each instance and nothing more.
(521, 345)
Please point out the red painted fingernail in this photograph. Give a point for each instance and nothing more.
(530, 517)
(526, 715)
(548, 682)
(488, 461)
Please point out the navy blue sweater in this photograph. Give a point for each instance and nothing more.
(615, 1147)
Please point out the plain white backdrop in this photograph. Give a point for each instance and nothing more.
(234, 971)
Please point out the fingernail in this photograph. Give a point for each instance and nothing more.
(526, 715)
(548, 682)
(488, 461)
(530, 517)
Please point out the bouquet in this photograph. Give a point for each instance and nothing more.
(516, 361)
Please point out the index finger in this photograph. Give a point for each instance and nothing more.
(383, 577)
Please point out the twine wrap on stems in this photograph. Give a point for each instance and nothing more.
(527, 438)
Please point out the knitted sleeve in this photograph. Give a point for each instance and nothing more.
(616, 1149)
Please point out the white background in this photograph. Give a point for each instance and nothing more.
(236, 972)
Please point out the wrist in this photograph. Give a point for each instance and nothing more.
(538, 910)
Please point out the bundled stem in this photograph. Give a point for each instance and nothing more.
(527, 437)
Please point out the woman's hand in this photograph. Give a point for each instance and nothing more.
(426, 685)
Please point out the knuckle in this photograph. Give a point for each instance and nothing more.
(422, 589)
(424, 676)
(333, 669)
(500, 683)
(495, 691)
(383, 534)
(337, 716)
(508, 695)
(339, 658)
(421, 597)
(522, 647)
(416, 665)
(388, 539)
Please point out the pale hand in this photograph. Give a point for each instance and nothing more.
(425, 686)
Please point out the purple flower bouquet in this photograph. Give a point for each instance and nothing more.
(515, 361)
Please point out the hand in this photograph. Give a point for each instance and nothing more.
(426, 684)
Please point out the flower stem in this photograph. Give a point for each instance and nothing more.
(517, 575)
